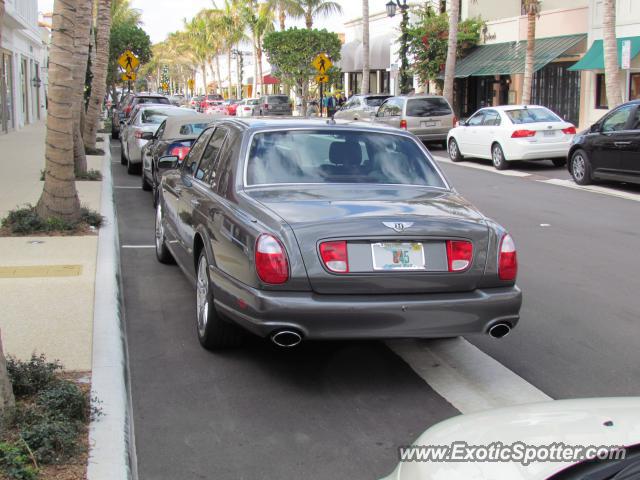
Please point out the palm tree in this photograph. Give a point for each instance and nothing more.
(81, 38)
(99, 68)
(286, 8)
(532, 9)
(259, 19)
(610, 45)
(450, 65)
(365, 46)
(318, 8)
(123, 12)
(232, 23)
(196, 38)
(59, 196)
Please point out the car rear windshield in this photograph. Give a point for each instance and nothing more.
(327, 156)
(278, 99)
(153, 100)
(428, 107)
(192, 128)
(374, 101)
(532, 115)
(253, 102)
(155, 116)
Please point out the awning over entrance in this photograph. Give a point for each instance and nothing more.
(269, 80)
(379, 54)
(594, 58)
(508, 58)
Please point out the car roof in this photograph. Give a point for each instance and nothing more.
(153, 95)
(173, 124)
(269, 123)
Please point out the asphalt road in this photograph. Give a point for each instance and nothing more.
(341, 409)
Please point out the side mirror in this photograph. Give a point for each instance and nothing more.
(168, 162)
(462, 122)
(147, 135)
(595, 128)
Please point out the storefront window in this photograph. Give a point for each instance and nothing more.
(634, 86)
(601, 91)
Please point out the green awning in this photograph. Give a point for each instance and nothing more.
(594, 58)
(508, 58)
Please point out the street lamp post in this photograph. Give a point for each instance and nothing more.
(405, 80)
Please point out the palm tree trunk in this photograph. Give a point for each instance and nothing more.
(7, 399)
(59, 196)
(255, 72)
(308, 18)
(99, 80)
(81, 40)
(528, 63)
(229, 89)
(204, 78)
(282, 16)
(452, 47)
(365, 47)
(218, 72)
(259, 61)
(610, 45)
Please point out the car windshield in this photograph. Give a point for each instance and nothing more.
(532, 115)
(327, 156)
(374, 101)
(428, 107)
(278, 99)
(155, 116)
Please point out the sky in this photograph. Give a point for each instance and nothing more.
(161, 17)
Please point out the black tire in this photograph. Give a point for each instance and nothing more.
(133, 168)
(123, 159)
(454, 151)
(115, 134)
(162, 252)
(154, 189)
(444, 145)
(559, 162)
(214, 332)
(580, 168)
(146, 186)
(497, 157)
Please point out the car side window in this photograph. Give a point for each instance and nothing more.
(191, 160)
(394, 108)
(476, 119)
(224, 168)
(382, 111)
(491, 118)
(210, 155)
(635, 122)
(617, 120)
(160, 130)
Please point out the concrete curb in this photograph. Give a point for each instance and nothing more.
(112, 446)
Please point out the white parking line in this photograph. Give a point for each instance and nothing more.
(464, 375)
(486, 168)
(592, 188)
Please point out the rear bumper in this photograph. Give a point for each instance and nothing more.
(366, 316)
(432, 137)
(536, 151)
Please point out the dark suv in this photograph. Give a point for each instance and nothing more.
(610, 149)
(126, 105)
(274, 105)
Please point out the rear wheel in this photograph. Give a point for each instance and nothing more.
(497, 156)
(213, 331)
(146, 186)
(114, 133)
(559, 162)
(133, 168)
(581, 168)
(162, 252)
(123, 159)
(454, 151)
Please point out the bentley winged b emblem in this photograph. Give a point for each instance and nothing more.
(398, 226)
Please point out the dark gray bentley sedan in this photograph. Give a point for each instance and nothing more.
(308, 229)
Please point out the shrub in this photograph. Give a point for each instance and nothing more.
(91, 217)
(26, 221)
(16, 463)
(32, 376)
(90, 175)
(66, 399)
(53, 440)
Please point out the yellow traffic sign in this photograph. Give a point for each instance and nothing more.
(322, 78)
(129, 77)
(191, 83)
(322, 63)
(128, 61)
(165, 86)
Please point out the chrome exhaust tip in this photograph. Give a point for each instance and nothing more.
(286, 338)
(500, 330)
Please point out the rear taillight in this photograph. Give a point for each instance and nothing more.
(455, 121)
(403, 124)
(459, 255)
(271, 260)
(179, 152)
(138, 134)
(127, 110)
(569, 130)
(507, 259)
(246, 109)
(265, 106)
(334, 255)
(523, 133)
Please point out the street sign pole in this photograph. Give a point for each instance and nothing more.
(321, 94)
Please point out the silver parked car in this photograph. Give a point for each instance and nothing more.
(274, 105)
(141, 129)
(428, 117)
(248, 107)
(361, 107)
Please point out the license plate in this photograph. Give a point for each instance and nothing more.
(549, 133)
(429, 124)
(398, 256)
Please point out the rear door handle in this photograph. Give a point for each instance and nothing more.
(622, 144)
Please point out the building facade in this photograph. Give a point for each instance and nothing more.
(22, 66)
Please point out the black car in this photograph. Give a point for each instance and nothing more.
(297, 229)
(610, 149)
(127, 104)
(174, 137)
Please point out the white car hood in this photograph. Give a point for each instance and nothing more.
(573, 422)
